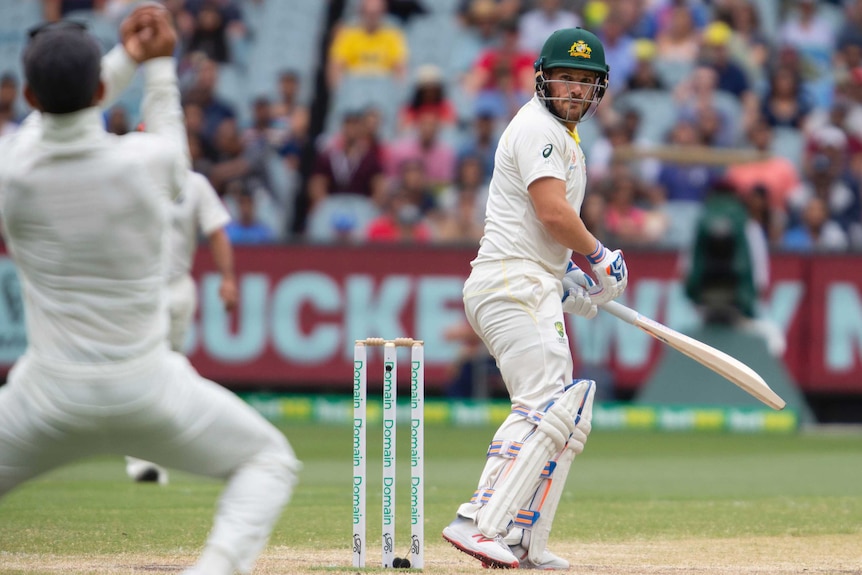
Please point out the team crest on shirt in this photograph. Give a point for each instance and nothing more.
(558, 325)
(580, 50)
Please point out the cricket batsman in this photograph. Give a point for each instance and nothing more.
(514, 300)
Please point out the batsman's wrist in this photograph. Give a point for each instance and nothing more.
(597, 254)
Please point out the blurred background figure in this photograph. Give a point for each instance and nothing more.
(462, 205)
(546, 16)
(429, 96)
(401, 221)
(720, 275)
(245, 227)
(350, 164)
(369, 47)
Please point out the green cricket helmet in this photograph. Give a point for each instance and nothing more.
(578, 49)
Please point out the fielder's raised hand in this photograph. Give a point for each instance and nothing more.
(148, 32)
(611, 273)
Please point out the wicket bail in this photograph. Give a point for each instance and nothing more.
(417, 449)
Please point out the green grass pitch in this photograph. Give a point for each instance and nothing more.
(626, 486)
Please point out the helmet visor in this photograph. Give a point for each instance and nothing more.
(572, 97)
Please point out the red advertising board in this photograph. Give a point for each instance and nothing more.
(302, 306)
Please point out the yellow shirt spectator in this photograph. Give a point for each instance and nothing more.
(357, 50)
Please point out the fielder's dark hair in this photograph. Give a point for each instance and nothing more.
(62, 65)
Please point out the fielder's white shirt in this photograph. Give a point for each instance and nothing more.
(86, 218)
(198, 208)
(534, 145)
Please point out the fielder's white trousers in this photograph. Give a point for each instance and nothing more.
(157, 408)
(182, 302)
(515, 307)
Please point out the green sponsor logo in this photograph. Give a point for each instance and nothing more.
(547, 151)
(559, 326)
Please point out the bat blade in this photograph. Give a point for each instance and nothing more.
(725, 365)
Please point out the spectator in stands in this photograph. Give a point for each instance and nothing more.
(370, 47)
(808, 31)
(785, 102)
(777, 176)
(429, 95)
(816, 232)
(504, 9)
(9, 110)
(54, 10)
(679, 39)
(618, 135)
(401, 221)
(202, 93)
(426, 145)
(685, 182)
(478, 32)
(216, 22)
(644, 75)
(749, 46)
(412, 179)
(505, 67)
(263, 130)
(246, 228)
(716, 54)
(812, 34)
(845, 113)
(404, 10)
(627, 222)
(194, 121)
(234, 160)
(9, 116)
(827, 177)
(290, 118)
(764, 228)
(593, 215)
(537, 24)
(619, 49)
(462, 205)
(351, 164)
(698, 100)
(481, 138)
(849, 43)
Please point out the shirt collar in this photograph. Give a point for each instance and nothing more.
(573, 134)
(73, 126)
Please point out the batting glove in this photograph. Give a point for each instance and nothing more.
(611, 273)
(576, 299)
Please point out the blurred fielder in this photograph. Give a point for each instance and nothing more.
(87, 220)
(198, 209)
(515, 301)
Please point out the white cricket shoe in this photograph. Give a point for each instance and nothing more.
(549, 561)
(466, 537)
(145, 472)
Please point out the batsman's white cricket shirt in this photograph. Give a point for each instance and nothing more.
(198, 208)
(534, 145)
(79, 207)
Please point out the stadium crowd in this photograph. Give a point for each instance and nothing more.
(763, 94)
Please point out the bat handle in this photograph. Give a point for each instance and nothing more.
(624, 313)
(617, 309)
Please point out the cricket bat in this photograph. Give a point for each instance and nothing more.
(728, 367)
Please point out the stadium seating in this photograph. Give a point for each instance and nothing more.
(657, 111)
(349, 212)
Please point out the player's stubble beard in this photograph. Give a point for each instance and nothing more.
(571, 111)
